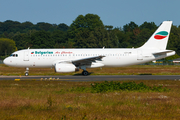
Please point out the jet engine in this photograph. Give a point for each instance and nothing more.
(65, 67)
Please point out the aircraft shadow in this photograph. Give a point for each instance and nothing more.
(80, 74)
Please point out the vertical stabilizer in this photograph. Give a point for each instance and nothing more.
(160, 37)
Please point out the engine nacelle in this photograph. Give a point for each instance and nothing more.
(65, 67)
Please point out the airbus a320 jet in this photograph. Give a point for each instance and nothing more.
(71, 60)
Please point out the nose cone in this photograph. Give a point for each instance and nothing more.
(5, 61)
(10, 62)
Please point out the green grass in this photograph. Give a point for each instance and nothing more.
(119, 86)
(125, 86)
(54, 100)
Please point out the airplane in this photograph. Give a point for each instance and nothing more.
(71, 60)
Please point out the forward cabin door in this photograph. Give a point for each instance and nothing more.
(139, 55)
(26, 55)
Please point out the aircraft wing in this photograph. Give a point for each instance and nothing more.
(87, 61)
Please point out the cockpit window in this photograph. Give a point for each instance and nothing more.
(14, 55)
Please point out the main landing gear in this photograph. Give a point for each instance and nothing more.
(27, 72)
(85, 73)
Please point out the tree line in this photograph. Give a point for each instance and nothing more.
(85, 32)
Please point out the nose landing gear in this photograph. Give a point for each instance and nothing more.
(27, 72)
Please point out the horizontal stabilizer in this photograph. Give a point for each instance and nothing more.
(162, 52)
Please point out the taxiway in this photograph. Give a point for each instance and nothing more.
(94, 78)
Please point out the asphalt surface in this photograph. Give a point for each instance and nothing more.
(94, 78)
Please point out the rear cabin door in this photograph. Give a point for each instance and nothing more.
(26, 55)
(139, 55)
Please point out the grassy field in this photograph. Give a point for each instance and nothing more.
(130, 70)
(54, 100)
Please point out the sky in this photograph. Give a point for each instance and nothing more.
(112, 12)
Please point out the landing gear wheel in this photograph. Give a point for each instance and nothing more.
(27, 71)
(85, 73)
(26, 74)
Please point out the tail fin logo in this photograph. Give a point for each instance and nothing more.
(161, 35)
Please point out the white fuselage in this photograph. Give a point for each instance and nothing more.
(113, 57)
